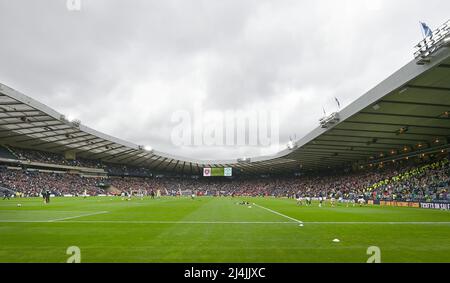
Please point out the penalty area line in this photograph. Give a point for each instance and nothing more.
(277, 213)
(76, 216)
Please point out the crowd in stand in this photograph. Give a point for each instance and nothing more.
(124, 170)
(32, 183)
(59, 159)
(53, 158)
(429, 182)
(397, 181)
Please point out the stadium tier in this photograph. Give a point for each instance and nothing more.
(424, 178)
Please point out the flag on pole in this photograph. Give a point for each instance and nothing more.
(338, 103)
(324, 113)
(426, 30)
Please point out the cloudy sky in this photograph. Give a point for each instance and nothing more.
(125, 67)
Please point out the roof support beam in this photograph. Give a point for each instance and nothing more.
(406, 116)
(132, 154)
(119, 154)
(36, 132)
(384, 132)
(428, 87)
(30, 127)
(48, 136)
(145, 156)
(154, 168)
(373, 137)
(28, 123)
(102, 152)
(153, 160)
(93, 148)
(397, 125)
(58, 140)
(415, 103)
(75, 142)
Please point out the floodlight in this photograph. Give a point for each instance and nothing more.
(244, 159)
(71, 118)
(291, 145)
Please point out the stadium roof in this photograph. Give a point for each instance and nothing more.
(407, 112)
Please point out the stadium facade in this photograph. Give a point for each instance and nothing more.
(407, 114)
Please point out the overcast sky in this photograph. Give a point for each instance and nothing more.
(124, 67)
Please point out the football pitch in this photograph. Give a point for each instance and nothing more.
(207, 229)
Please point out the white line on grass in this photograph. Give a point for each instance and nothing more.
(145, 222)
(76, 216)
(280, 214)
(383, 223)
(222, 222)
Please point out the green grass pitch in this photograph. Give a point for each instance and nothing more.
(217, 230)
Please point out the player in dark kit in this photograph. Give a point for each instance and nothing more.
(46, 196)
(152, 194)
(6, 196)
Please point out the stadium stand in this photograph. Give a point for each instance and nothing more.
(32, 183)
(419, 179)
(127, 170)
(52, 158)
(6, 153)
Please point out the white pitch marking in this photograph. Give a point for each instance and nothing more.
(77, 216)
(280, 214)
(214, 222)
(144, 222)
(382, 223)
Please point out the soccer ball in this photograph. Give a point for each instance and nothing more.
(19, 205)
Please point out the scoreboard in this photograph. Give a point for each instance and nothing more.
(218, 172)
